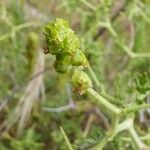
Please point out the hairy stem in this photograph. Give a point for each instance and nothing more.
(135, 108)
(110, 134)
(93, 76)
(139, 144)
(110, 108)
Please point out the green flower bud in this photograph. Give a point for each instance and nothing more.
(62, 63)
(54, 33)
(60, 38)
(81, 81)
(64, 56)
(71, 43)
(78, 58)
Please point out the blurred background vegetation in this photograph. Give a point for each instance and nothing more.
(35, 100)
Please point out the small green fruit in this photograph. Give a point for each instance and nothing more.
(81, 81)
(62, 63)
(78, 59)
(71, 43)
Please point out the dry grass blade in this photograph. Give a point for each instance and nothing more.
(33, 91)
(31, 94)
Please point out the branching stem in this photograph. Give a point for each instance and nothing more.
(110, 108)
(93, 76)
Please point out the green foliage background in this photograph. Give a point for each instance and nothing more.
(116, 69)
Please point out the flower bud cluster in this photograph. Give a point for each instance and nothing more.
(65, 45)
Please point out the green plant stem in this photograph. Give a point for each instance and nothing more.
(136, 138)
(66, 138)
(89, 5)
(110, 134)
(18, 28)
(111, 30)
(26, 25)
(135, 108)
(100, 86)
(110, 108)
(5, 36)
(101, 144)
(128, 139)
(110, 98)
(93, 76)
(128, 125)
(139, 55)
(115, 121)
(125, 48)
(145, 17)
(114, 34)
